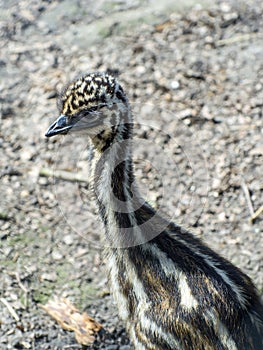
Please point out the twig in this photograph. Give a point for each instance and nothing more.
(256, 214)
(24, 289)
(36, 46)
(63, 175)
(20, 283)
(247, 196)
(237, 38)
(10, 309)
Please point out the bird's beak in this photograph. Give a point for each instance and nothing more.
(60, 126)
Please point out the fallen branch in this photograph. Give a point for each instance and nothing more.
(63, 175)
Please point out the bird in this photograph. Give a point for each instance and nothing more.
(172, 291)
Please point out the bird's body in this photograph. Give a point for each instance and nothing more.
(172, 291)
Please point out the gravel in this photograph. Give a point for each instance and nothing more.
(194, 78)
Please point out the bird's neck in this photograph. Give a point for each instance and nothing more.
(128, 219)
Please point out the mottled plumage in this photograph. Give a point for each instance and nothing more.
(172, 291)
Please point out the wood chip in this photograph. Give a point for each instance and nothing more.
(70, 319)
(161, 26)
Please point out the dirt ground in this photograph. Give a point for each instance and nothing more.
(194, 77)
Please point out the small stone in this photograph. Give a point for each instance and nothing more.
(56, 255)
(68, 239)
(216, 183)
(209, 39)
(51, 277)
(43, 181)
(175, 85)
(24, 194)
(25, 155)
(225, 7)
(222, 216)
(141, 69)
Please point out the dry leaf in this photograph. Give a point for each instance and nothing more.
(70, 319)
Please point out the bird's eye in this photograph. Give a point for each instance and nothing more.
(87, 113)
(92, 112)
(89, 117)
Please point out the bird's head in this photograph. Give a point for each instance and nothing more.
(95, 103)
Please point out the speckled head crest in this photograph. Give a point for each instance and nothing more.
(89, 91)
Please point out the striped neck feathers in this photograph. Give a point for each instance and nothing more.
(129, 220)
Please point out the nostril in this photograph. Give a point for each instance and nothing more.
(62, 121)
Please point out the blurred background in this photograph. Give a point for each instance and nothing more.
(193, 72)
